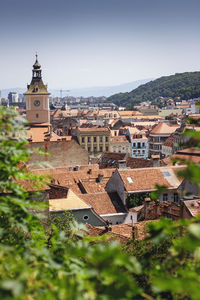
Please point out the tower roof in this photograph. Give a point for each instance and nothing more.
(36, 65)
(37, 86)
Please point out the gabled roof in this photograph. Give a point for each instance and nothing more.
(139, 180)
(164, 128)
(71, 202)
(111, 159)
(135, 163)
(193, 207)
(119, 139)
(104, 203)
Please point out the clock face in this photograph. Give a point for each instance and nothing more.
(37, 102)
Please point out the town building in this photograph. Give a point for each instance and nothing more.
(58, 150)
(94, 139)
(37, 97)
(139, 142)
(127, 182)
(120, 144)
(158, 136)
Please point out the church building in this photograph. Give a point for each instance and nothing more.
(37, 97)
(61, 151)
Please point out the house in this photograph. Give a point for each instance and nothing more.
(81, 211)
(94, 139)
(139, 145)
(109, 207)
(158, 136)
(120, 144)
(139, 141)
(168, 146)
(127, 182)
(80, 181)
(59, 151)
(112, 160)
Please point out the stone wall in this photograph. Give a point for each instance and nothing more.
(62, 154)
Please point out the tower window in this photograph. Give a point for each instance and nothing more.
(37, 115)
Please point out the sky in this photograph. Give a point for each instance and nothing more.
(86, 43)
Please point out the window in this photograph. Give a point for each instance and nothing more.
(95, 149)
(89, 149)
(101, 139)
(83, 139)
(114, 149)
(101, 149)
(143, 151)
(134, 145)
(120, 149)
(85, 218)
(37, 115)
(142, 144)
(140, 135)
(126, 149)
(176, 197)
(115, 133)
(106, 149)
(165, 197)
(88, 139)
(138, 145)
(166, 174)
(95, 139)
(106, 138)
(129, 179)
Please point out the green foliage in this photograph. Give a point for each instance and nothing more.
(183, 85)
(39, 261)
(136, 199)
(58, 262)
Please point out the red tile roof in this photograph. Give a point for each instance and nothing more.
(104, 203)
(146, 179)
(164, 128)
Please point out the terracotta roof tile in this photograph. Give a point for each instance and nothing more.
(71, 202)
(94, 129)
(119, 139)
(104, 203)
(146, 179)
(164, 128)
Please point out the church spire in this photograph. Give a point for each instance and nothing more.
(37, 72)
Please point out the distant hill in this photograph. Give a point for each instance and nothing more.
(87, 92)
(184, 85)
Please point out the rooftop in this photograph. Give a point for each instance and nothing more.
(164, 128)
(71, 202)
(104, 203)
(145, 179)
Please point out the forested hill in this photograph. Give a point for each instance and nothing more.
(183, 85)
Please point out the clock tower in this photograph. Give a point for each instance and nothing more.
(37, 97)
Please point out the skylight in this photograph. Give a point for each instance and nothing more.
(166, 174)
(129, 179)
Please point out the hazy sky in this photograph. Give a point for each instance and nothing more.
(83, 43)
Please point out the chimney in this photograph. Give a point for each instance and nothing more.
(90, 171)
(122, 164)
(155, 159)
(100, 178)
(147, 202)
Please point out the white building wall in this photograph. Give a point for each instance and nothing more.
(115, 184)
(143, 151)
(115, 218)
